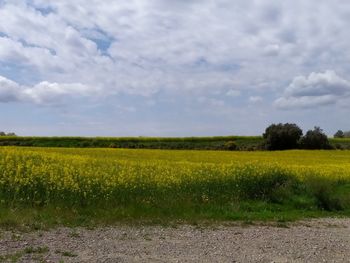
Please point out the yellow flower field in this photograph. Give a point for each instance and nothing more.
(40, 176)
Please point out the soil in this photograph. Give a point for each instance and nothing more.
(322, 240)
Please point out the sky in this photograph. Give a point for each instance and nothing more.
(173, 68)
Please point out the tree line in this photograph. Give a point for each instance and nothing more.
(7, 134)
(342, 134)
(290, 136)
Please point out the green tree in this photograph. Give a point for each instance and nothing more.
(339, 134)
(282, 136)
(315, 139)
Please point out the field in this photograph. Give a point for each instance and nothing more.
(243, 143)
(78, 186)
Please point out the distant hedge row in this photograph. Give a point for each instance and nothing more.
(246, 143)
(205, 143)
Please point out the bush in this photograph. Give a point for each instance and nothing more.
(84, 144)
(274, 186)
(230, 146)
(8, 134)
(323, 191)
(315, 139)
(339, 134)
(282, 136)
(338, 146)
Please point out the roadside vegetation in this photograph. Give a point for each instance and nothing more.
(48, 186)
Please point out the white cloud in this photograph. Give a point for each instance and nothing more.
(272, 50)
(160, 50)
(233, 93)
(9, 90)
(317, 89)
(211, 102)
(44, 93)
(157, 45)
(304, 102)
(255, 99)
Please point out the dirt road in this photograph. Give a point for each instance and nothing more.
(325, 240)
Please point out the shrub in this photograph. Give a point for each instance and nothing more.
(338, 146)
(274, 185)
(315, 139)
(323, 191)
(230, 146)
(8, 134)
(339, 134)
(282, 136)
(84, 144)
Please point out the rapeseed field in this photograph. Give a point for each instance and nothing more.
(166, 181)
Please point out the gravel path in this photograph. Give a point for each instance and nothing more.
(325, 240)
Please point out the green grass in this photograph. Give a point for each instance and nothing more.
(66, 253)
(29, 219)
(12, 257)
(35, 252)
(275, 206)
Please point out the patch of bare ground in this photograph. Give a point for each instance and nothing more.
(322, 240)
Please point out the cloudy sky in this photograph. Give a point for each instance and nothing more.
(173, 67)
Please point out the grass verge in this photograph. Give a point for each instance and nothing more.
(28, 219)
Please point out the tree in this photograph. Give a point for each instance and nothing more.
(282, 136)
(339, 134)
(315, 139)
(8, 134)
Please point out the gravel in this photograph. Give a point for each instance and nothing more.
(323, 240)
